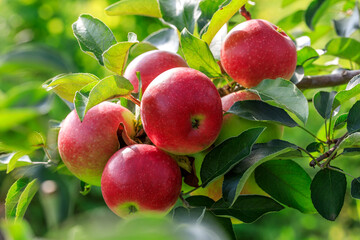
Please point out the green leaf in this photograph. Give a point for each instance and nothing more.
(298, 75)
(286, 3)
(221, 17)
(148, 8)
(236, 178)
(16, 230)
(208, 8)
(287, 182)
(200, 201)
(13, 160)
(289, 22)
(353, 119)
(246, 208)
(306, 54)
(352, 90)
(116, 56)
(95, 93)
(346, 26)
(351, 141)
(25, 199)
(323, 102)
(180, 13)
(66, 85)
(346, 48)
(165, 39)
(139, 49)
(327, 193)
(351, 151)
(355, 188)
(315, 147)
(198, 55)
(340, 121)
(5, 159)
(315, 11)
(15, 116)
(286, 94)
(222, 158)
(261, 111)
(13, 196)
(93, 35)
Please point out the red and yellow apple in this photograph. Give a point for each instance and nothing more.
(181, 111)
(150, 65)
(85, 147)
(256, 50)
(141, 178)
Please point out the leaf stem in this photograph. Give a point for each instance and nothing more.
(341, 171)
(311, 134)
(134, 100)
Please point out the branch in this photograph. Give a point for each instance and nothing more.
(327, 80)
(307, 82)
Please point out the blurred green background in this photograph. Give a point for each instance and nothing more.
(37, 43)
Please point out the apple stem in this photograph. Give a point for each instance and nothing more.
(134, 100)
(245, 13)
(126, 137)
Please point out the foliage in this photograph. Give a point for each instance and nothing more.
(28, 142)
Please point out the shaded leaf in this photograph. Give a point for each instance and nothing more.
(347, 48)
(261, 111)
(286, 94)
(287, 182)
(93, 35)
(200, 201)
(246, 208)
(220, 17)
(298, 75)
(135, 7)
(340, 121)
(180, 13)
(95, 93)
(291, 21)
(323, 102)
(316, 147)
(352, 90)
(165, 39)
(235, 179)
(198, 55)
(346, 26)
(353, 118)
(66, 85)
(355, 188)
(327, 193)
(223, 157)
(208, 8)
(315, 11)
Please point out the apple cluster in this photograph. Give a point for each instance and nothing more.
(181, 113)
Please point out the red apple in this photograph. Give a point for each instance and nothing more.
(256, 50)
(86, 146)
(233, 125)
(181, 111)
(150, 65)
(142, 178)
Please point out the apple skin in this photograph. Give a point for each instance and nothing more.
(141, 178)
(181, 111)
(86, 146)
(150, 65)
(233, 125)
(256, 50)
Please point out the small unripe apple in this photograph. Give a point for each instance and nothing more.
(150, 65)
(256, 50)
(233, 125)
(181, 111)
(141, 178)
(86, 146)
